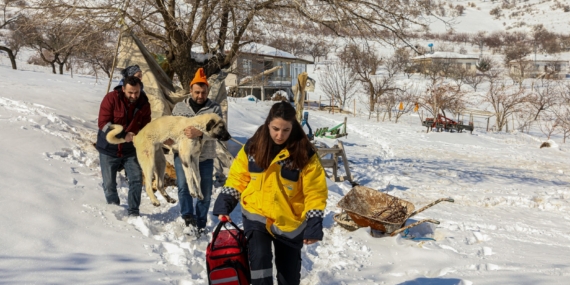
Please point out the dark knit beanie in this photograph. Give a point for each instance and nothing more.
(130, 70)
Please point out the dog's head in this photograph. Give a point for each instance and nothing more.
(216, 128)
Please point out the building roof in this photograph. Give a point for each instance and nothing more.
(445, 54)
(542, 58)
(262, 49)
(252, 48)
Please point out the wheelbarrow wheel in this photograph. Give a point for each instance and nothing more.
(344, 220)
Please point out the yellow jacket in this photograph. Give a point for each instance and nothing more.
(282, 198)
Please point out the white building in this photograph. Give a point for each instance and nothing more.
(539, 66)
(461, 60)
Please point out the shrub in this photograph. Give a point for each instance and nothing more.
(37, 60)
(496, 12)
(459, 9)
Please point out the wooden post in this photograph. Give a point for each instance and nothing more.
(513, 119)
(300, 97)
(488, 123)
(332, 105)
(319, 102)
(355, 107)
(335, 167)
(345, 161)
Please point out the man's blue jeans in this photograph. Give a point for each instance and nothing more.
(109, 167)
(206, 184)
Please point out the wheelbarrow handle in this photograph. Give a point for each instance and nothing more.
(430, 205)
(413, 225)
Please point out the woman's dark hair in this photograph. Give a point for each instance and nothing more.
(297, 144)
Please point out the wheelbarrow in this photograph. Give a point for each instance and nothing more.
(366, 207)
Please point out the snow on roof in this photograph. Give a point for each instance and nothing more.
(254, 48)
(542, 58)
(445, 54)
(265, 50)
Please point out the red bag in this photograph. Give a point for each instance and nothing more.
(226, 256)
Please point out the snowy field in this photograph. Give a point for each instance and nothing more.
(510, 223)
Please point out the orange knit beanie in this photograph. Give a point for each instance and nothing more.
(200, 77)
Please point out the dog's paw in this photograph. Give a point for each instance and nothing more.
(171, 200)
(156, 204)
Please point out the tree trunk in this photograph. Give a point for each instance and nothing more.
(61, 67)
(53, 67)
(10, 55)
(372, 98)
(185, 66)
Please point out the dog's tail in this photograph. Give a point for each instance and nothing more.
(111, 135)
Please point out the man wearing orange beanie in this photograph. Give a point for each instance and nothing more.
(197, 104)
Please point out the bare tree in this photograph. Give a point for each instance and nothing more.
(338, 83)
(220, 27)
(473, 79)
(403, 59)
(56, 34)
(506, 98)
(318, 47)
(436, 68)
(460, 75)
(95, 53)
(10, 13)
(545, 94)
(406, 98)
(363, 62)
(441, 96)
(293, 45)
(562, 111)
(516, 57)
(524, 118)
(548, 124)
(546, 40)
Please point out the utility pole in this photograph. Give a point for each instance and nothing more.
(534, 47)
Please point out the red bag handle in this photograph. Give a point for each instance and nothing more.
(223, 222)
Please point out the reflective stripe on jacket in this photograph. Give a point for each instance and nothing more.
(284, 199)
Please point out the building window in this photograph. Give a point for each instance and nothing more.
(246, 66)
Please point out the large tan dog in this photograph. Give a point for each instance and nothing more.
(151, 157)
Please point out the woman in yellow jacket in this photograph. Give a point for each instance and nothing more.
(280, 184)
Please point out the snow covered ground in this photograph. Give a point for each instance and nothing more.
(510, 223)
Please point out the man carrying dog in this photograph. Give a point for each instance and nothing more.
(128, 106)
(197, 104)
